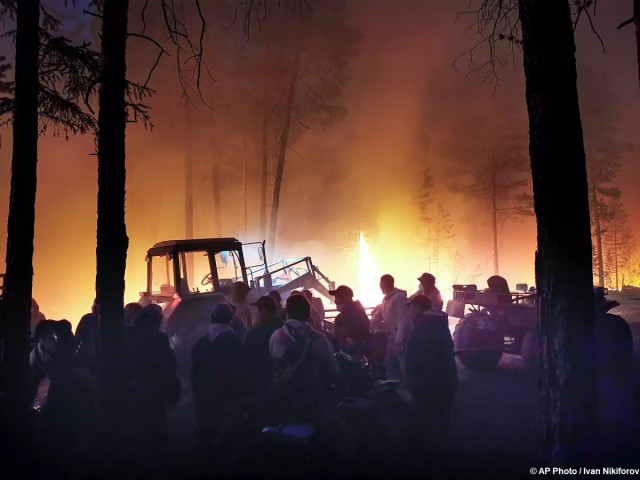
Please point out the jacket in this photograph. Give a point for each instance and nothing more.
(321, 349)
(257, 360)
(430, 361)
(393, 315)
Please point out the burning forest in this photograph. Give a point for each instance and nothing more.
(438, 197)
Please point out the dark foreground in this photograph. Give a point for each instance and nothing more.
(496, 433)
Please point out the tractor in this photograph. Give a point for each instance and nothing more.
(187, 277)
(496, 321)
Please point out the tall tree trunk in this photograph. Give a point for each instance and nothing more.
(245, 213)
(494, 216)
(112, 240)
(615, 250)
(563, 259)
(595, 208)
(282, 150)
(18, 281)
(188, 187)
(265, 163)
(188, 175)
(636, 21)
(215, 189)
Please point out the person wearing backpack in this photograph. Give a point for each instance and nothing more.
(304, 365)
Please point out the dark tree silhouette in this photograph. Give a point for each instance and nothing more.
(564, 279)
(112, 240)
(52, 78)
(20, 228)
(563, 259)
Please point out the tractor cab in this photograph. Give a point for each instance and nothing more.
(178, 269)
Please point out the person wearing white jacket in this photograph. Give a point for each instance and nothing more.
(392, 316)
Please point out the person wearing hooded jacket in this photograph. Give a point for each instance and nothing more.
(392, 317)
(298, 316)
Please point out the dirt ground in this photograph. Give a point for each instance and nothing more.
(496, 430)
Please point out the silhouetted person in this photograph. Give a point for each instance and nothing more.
(239, 300)
(36, 315)
(131, 311)
(431, 376)
(351, 324)
(67, 413)
(86, 338)
(297, 340)
(255, 349)
(237, 325)
(215, 376)
(498, 284)
(392, 317)
(428, 287)
(317, 314)
(282, 313)
(151, 383)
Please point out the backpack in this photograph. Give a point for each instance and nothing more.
(295, 386)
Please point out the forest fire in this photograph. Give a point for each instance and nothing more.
(335, 137)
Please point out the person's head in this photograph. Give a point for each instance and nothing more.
(387, 283)
(222, 313)
(131, 311)
(267, 307)
(427, 280)
(419, 304)
(343, 295)
(239, 291)
(308, 295)
(298, 308)
(149, 318)
(276, 296)
(498, 284)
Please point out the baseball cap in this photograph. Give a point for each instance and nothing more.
(265, 301)
(342, 290)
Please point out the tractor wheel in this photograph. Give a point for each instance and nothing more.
(480, 359)
(479, 341)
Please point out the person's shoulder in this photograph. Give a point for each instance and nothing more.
(278, 333)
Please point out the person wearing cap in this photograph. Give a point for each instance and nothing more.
(243, 311)
(215, 380)
(431, 375)
(351, 324)
(428, 287)
(282, 313)
(255, 349)
(392, 317)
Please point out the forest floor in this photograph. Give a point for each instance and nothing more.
(496, 429)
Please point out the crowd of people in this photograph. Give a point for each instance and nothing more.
(274, 354)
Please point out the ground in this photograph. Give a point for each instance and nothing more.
(496, 430)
